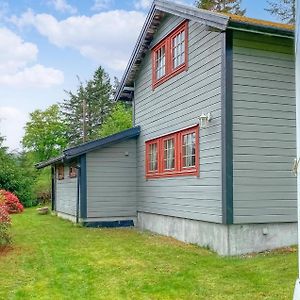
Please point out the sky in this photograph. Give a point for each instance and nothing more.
(46, 44)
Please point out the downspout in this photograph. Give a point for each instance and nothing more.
(78, 193)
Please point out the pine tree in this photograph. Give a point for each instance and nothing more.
(223, 6)
(285, 10)
(85, 110)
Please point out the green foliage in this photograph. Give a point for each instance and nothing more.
(285, 10)
(86, 109)
(42, 185)
(119, 119)
(223, 6)
(14, 178)
(5, 222)
(45, 133)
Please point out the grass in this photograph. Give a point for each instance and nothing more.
(54, 259)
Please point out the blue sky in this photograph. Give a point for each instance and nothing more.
(45, 44)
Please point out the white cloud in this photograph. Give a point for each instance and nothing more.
(106, 37)
(63, 6)
(14, 52)
(13, 134)
(101, 4)
(143, 4)
(16, 64)
(35, 76)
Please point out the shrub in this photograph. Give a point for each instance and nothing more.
(5, 223)
(15, 178)
(11, 202)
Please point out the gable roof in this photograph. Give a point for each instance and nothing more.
(214, 20)
(76, 151)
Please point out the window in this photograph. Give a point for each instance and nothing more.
(189, 150)
(160, 62)
(169, 57)
(169, 154)
(153, 158)
(178, 49)
(173, 154)
(72, 171)
(60, 172)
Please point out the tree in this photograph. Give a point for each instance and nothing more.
(14, 178)
(119, 119)
(223, 6)
(85, 110)
(45, 133)
(285, 10)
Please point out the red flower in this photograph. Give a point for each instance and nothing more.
(11, 202)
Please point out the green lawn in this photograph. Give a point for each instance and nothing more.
(54, 259)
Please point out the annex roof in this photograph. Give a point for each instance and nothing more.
(76, 151)
(213, 20)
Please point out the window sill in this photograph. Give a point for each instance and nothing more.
(165, 78)
(192, 172)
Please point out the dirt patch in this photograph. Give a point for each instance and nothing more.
(284, 250)
(4, 250)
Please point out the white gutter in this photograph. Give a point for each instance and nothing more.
(297, 48)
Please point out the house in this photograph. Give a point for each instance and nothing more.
(209, 158)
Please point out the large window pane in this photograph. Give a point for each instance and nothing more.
(153, 157)
(160, 63)
(189, 150)
(169, 154)
(178, 50)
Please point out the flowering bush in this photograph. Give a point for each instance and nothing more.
(11, 202)
(5, 222)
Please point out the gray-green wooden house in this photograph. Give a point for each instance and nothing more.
(209, 158)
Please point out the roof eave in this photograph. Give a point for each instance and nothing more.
(101, 143)
(210, 19)
(263, 29)
(50, 162)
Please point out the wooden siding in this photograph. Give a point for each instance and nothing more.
(111, 181)
(177, 104)
(66, 193)
(264, 133)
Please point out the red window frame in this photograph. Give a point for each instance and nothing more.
(170, 71)
(179, 169)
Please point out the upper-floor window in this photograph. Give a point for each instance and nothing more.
(173, 154)
(160, 62)
(178, 49)
(169, 56)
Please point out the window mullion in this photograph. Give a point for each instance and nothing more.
(180, 152)
(160, 156)
(168, 57)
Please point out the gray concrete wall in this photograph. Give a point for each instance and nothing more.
(177, 104)
(264, 129)
(66, 193)
(223, 239)
(111, 181)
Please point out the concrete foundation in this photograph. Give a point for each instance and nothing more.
(223, 239)
(66, 216)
